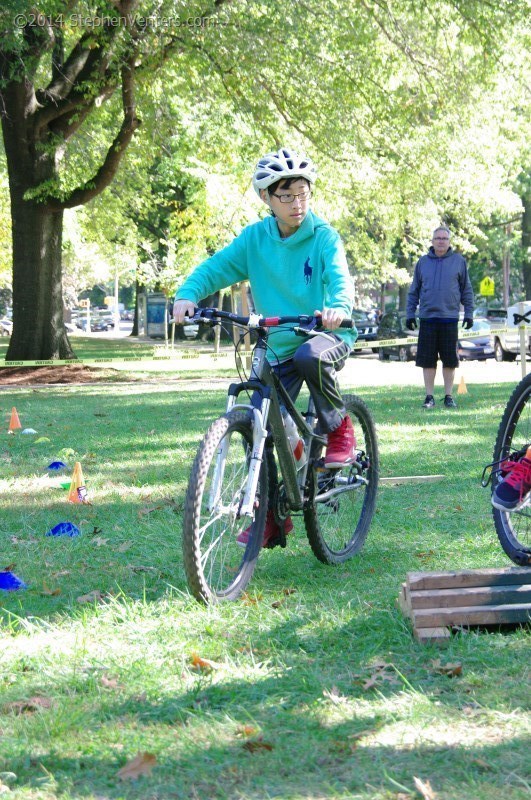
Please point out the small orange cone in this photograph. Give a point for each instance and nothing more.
(14, 422)
(462, 387)
(78, 492)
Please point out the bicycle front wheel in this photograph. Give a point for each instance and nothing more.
(514, 436)
(340, 502)
(217, 567)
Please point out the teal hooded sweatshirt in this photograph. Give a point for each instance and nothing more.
(296, 275)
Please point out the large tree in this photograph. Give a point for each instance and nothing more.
(349, 80)
(58, 62)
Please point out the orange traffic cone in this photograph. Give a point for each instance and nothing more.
(462, 386)
(14, 422)
(78, 492)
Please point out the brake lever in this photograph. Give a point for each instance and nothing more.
(307, 328)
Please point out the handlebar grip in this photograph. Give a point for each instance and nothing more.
(347, 323)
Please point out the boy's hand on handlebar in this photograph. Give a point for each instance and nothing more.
(182, 309)
(331, 318)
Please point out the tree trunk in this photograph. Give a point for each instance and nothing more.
(38, 327)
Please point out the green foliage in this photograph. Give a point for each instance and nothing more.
(416, 114)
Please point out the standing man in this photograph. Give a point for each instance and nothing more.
(440, 285)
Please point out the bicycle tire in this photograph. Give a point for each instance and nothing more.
(217, 568)
(326, 521)
(514, 435)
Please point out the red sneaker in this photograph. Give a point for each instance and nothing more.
(510, 493)
(271, 531)
(341, 445)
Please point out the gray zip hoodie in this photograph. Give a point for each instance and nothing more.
(440, 284)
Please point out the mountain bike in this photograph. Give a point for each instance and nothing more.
(513, 528)
(235, 478)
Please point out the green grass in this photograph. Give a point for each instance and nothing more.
(283, 713)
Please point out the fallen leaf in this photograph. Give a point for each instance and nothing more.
(288, 591)
(148, 510)
(203, 663)
(142, 764)
(10, 567)
(246, 730)
(371, 683)
(424, 788)
(124, 547)
(449, 669)
(91, 597)
(110, 683)
(29, 706)
(250, 600)
(333, 694)
(99, 542)
(479, 762)
(253, 745)
(46, 591)
(140, 568)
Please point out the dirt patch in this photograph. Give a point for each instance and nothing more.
(65, 373)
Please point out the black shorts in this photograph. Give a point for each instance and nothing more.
(437, 340)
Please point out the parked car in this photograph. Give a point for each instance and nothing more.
(393, 326)
(96, 324)
(479, 347)
(6, 327)
(367, 327)
(496, 317)
(507, 344)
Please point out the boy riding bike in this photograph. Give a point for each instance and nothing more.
(296, 264)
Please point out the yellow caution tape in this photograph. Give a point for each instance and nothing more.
(180, 355)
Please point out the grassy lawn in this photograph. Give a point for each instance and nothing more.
(319, 692)
(95, 347)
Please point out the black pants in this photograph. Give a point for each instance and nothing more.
(316, 363)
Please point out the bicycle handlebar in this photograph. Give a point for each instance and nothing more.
(256, 321)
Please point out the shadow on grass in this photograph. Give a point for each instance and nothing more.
(287, 749)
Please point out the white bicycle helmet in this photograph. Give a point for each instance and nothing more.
(284, 164)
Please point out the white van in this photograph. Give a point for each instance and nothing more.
(507, 345)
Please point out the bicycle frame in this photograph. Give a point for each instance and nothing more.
(266, 385)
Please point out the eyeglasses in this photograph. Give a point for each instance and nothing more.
(290, 198)
(441, 239)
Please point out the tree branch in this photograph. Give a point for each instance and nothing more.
(108, 169)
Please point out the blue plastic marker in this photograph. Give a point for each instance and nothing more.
(10, 583)
(64, 529)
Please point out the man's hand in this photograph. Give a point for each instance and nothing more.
(468, 323)
(411, 323)
(330, 317)
(182, 309)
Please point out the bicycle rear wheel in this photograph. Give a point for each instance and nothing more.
(514, 436)
(217, 567)
(340, 503)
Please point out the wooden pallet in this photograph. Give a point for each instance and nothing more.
(436, 602)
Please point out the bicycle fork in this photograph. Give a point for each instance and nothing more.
(246, 505)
